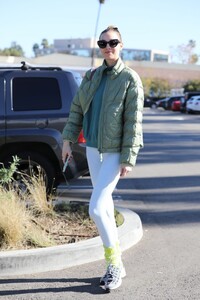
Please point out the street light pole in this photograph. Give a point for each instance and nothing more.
(95, 32)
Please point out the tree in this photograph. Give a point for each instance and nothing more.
(36, 48)
(45, 44)
(44, 50)
(192, 85)
(184, 53)
(14, 50)
(156, 87)
(194, 59)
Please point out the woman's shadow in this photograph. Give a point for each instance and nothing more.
(18, 286)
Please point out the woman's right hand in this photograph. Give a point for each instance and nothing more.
(66, 150)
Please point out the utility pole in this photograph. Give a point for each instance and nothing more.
(95, 33)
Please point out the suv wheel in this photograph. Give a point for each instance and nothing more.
(31, 163)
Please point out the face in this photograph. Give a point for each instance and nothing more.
(111, 55)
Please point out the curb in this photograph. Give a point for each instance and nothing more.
(21, 262)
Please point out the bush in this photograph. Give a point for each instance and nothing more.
(156, 87)
(6, 174)
(192, 86)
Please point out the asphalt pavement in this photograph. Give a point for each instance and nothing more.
(163, 190)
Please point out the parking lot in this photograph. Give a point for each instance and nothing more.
(163, 190)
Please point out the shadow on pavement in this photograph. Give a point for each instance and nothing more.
(90, 286)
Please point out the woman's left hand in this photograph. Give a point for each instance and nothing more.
(125, 170)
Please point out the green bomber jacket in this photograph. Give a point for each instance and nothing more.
(120, 121)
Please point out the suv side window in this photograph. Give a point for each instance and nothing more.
(36, 93)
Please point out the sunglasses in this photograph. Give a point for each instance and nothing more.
(112, 43)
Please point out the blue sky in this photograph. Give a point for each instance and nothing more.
(144, 24)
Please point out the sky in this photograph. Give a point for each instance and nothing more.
(144, 24)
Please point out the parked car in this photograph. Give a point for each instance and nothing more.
(151, 101)
(161, 103)
(186, 98)
(166, 103)
(147, 102)
(193, 105)
(34, 106)
(170, 101)
(176, 105)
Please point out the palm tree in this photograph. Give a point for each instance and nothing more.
(36, 49)
(45, 43)
(95, 32)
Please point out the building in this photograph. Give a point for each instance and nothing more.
(176, 74)
(84, 47)
(80, 47)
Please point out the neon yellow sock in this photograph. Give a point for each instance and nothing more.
(113, 255)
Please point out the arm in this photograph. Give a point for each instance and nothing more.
(73, 126)
(132, 139)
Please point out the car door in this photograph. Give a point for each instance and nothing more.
(2, 112)
(32, 102)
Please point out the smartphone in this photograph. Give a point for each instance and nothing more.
(66, 164)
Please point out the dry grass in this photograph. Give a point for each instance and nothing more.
(14, 218)
(37, 236)
(30, 220)
(36, 194)
(19, 213)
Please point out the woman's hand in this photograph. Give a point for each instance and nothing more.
(125, 169)
(66, 150)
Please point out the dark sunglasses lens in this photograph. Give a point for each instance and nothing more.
(113, 43)
(102, 44)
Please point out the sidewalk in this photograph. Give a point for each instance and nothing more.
(21, 262)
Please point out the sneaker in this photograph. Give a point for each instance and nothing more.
(113, 277)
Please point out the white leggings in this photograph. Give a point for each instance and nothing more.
(104, 174)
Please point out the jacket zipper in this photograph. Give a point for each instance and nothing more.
(101, 119)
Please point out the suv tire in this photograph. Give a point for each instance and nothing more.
(30, 163)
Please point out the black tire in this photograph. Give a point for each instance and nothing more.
(29, 164)
(153, 106)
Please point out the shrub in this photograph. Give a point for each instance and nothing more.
(6, 174)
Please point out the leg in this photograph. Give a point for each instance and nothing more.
(105, 176)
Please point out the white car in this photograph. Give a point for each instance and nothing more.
(193, 105)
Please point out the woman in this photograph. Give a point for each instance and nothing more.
(108, 106)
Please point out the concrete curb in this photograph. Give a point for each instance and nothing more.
(21, 262)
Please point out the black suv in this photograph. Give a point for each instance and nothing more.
(34, 106)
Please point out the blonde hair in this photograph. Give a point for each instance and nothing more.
(113, 28)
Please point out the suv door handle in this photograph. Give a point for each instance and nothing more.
(42, 123)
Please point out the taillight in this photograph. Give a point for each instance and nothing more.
(81, 139)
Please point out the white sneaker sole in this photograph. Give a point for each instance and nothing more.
(107, 288)
(123, 274)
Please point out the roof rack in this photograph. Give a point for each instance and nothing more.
(26, 66)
